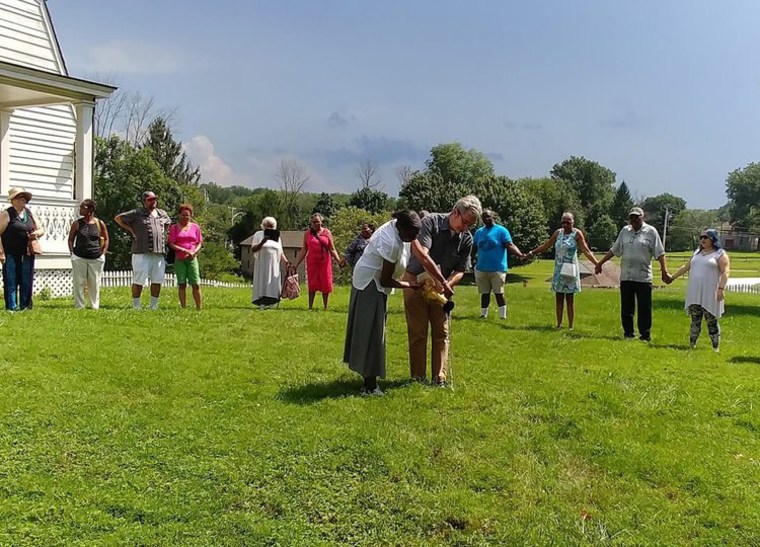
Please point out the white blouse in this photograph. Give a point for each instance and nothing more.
(385, 244)
(704, 276)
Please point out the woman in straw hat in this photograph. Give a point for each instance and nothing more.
(18, 229)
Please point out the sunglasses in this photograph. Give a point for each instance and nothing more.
(566, 222)
(704, 237)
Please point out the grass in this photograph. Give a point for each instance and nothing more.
(242, 427)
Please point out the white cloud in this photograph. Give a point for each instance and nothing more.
(132, 58)
(200, 151)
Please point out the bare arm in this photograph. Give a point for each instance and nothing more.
(38, 231)
(455, 278)
(106, 241)
(387, 280)
(682, 270)
(664, 269)
(545, 245)
(334, 251)
(724, 267)
(581, 239)
(304, 250)
(124, 226)
(515, 250)
(72, 236)
(4, 220)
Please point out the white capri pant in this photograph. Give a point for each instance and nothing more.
(148, 266)
(490, 282)
(87, 272)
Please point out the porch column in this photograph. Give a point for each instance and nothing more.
(84, 152)
(5, 151)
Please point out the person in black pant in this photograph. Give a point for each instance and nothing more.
(636, 245)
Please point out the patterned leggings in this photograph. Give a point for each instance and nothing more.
(713, 329)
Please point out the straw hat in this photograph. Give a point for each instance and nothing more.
(14, 193)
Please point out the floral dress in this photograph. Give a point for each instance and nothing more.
(566, 251)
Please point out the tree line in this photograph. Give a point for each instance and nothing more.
(149, 157)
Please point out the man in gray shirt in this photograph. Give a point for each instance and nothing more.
(147, 226)
(637, 244)
(444, 240)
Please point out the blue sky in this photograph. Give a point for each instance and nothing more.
(665, 93)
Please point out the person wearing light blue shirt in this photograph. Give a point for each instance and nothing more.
(492, 242)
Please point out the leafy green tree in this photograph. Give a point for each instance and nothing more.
(743, 191)
(519, 210)
(121, 174)
(655, 208)
(684, 229)
(602, 233)
(621, 205)
(450, 173)
(374, 201)
(325, 206)
(593, 184)
(346, 225)
(168, 153)
(557, 198)
(216, 261)
(226, 195)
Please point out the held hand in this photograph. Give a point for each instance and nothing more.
(342, 263)
(414, 285)
(598, 268)
(666, 278)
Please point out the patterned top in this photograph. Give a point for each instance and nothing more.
(355, 249)
(637, 249)
(566, 252)
(704, 276)
(149, 229)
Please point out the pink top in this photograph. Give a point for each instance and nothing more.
(188, 238)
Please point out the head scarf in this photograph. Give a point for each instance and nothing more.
(712, 233)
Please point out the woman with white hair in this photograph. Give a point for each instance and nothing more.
(267, 254)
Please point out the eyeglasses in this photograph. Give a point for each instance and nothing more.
(466, 222)
(704, 237)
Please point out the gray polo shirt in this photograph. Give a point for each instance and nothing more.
(148, 228)
(637, 249)
(447, 248)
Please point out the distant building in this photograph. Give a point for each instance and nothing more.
(291, 244)
(734, 240)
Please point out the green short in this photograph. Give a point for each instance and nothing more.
(187, 271)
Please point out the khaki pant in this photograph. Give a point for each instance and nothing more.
(418, 315)
(87, 271)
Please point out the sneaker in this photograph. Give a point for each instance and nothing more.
(377, 392)
(440, 384)
(629, 337)
(716, 349)
(645, 338)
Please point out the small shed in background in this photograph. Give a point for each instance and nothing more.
(291, 244)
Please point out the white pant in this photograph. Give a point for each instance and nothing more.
(87, 271)
(148, 266)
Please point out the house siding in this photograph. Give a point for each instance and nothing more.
(42, 138)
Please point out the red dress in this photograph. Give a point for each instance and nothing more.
(319, 262)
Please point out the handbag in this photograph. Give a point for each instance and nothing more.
(171, 254)
(34, 247)
(290, 287)
(567, 271)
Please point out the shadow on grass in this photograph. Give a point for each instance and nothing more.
(731, 308)
(745, 359)
(681, 347)
(313, 393)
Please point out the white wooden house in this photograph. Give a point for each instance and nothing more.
(46, 131)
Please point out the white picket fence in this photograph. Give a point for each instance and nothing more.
(124, 279)
(744, 287)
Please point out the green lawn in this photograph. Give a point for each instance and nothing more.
(235, 426)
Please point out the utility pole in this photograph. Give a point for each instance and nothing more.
(665, 226)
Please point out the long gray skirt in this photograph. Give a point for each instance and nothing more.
(365, 333)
